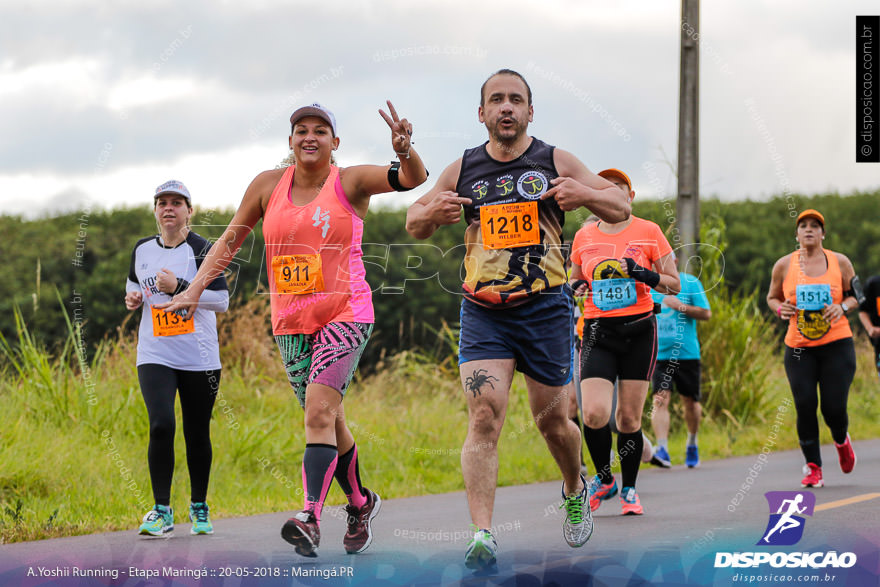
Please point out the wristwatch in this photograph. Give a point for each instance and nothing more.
(844, 307)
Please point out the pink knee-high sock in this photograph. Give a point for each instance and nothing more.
(349, 478)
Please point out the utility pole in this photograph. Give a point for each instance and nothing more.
(688, 202)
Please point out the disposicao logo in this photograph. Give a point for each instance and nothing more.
(785, 528)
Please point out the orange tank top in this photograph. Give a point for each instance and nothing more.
(807, 327)
(598, 254)
(314, 259)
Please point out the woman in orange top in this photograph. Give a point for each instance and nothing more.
(813, 288)
(322, 312)
(621, 263)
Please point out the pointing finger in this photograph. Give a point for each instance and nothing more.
(551, 193)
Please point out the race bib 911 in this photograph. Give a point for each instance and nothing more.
(297, 274)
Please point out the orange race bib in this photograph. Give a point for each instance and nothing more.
(170, 324)
(297, 274)
(509, 225)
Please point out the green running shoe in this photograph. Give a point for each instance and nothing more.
(158, 521)
(577, 527)
(481, 551)
(198, 515)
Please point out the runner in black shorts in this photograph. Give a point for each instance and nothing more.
(620, 337)
(176, 356)
(869, 315)
(517, 309)
(812, 289)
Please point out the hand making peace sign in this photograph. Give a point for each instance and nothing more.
(401, 131)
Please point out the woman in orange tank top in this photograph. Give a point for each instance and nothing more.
(812, 289)
(322, 313)
(621, 263)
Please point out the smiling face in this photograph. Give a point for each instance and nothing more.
(810, 232)
(505, 110)
(312, 141)
(172, 213)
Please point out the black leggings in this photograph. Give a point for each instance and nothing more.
(198, 389)
(833, 367)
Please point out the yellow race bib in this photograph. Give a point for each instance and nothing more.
(170, 324)
(504, 226)
(297, 274)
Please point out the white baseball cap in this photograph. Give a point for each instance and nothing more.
(173, 187)
(314, 110)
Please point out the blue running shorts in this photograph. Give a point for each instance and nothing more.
(538, 335)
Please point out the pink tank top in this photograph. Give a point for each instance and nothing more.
(314, 259)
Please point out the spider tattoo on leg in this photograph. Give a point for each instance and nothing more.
(477, 380)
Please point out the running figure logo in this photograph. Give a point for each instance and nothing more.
(786, 527)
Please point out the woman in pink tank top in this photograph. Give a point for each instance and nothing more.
(322, 311)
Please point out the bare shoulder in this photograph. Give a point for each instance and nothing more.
(843, 259)
(268, 179)
(782, 263)
(846, 267)
(449, 176)
(270, 176)
(259, 192)
(447, 181)
(566, 163)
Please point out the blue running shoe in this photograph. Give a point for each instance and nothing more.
(661, 458)
(692, 457)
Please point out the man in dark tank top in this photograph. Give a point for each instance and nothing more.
(517, 310)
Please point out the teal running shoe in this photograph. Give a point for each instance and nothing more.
(198, 515)
(158, 521)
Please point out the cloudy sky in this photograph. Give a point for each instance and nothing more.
(101, 102)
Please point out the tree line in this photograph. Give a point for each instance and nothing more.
(83, 258)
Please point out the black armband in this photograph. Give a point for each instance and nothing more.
(393, 179)
(182, 284)
(639, 273)
(855, 290)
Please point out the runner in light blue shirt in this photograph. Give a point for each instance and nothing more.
(678, 362)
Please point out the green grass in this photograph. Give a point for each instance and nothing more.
(73, 454)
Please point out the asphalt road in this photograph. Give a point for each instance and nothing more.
(691, 515)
